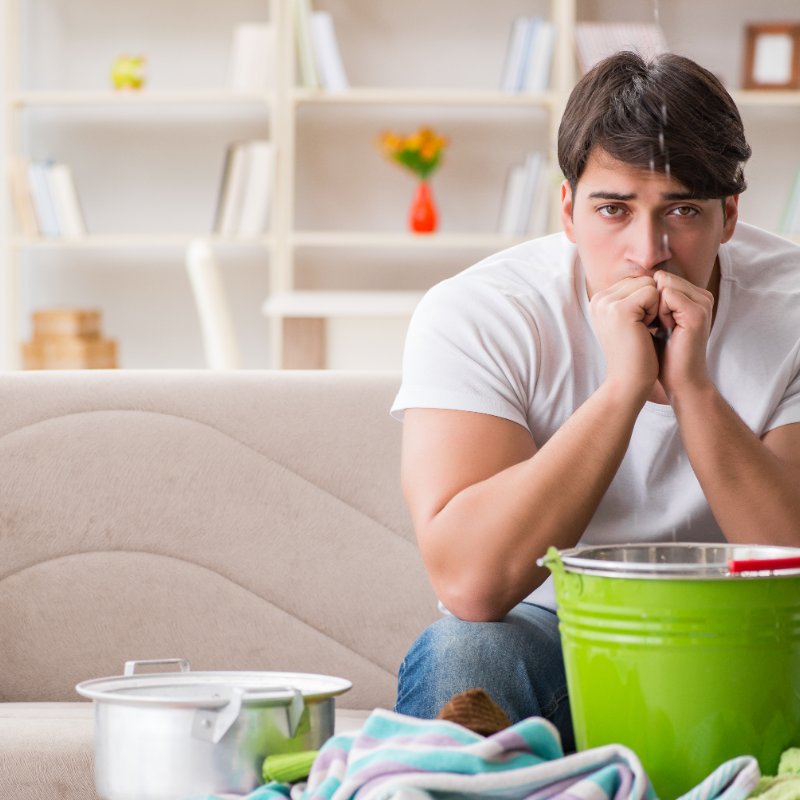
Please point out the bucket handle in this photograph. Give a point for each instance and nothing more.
(757, 564)
(567, 583)
(552, 560)
(130, 666)
(210, 725)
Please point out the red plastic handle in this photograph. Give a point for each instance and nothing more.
(756, 564)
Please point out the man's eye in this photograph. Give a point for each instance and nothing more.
(684, 211)
(610, 210)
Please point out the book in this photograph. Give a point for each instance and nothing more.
(540, 59)
(529, 55)
(512, 200)
(21, 198)
(216, 324)
(327, 55)
(790, 219)
(257, 191)
(246, 189)
(306, 62)
(69, 215)
(524, 208)
(515, 54)
(539, 220)
(229, 204)
(595, 41)
(43, 200)
(250, 65)
(533, 168)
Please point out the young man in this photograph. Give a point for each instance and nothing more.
(634, 378)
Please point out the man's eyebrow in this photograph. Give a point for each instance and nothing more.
(680, 196)
(671, 196)
(603, 195)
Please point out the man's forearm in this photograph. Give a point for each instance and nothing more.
(753, 494)
(485, 541)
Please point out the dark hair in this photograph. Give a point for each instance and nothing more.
(668, 114)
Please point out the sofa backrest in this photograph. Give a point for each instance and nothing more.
(241, 520)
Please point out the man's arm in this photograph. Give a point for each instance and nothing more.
(486, 503)
(752, 485)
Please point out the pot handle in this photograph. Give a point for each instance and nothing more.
(130, 666)
(210, 725)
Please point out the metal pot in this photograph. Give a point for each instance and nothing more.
(176, 735)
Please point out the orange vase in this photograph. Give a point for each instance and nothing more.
(422, 216)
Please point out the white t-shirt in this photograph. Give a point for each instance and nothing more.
(511, 336)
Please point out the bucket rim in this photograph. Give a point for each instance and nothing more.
(657, 560)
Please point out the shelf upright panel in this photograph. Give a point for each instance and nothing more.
(9, 269)
(284, 129)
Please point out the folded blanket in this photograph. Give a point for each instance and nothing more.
(395, 757)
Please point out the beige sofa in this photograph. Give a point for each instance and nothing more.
(241, 520)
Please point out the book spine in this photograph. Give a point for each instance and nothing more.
(229, 208)
(257, 189)
(541, 58)
(326, 50)
(65, 196)
(512, 200)
(43, 199)
(307, 67)
(514, 54)
(251, 57)
(21, 197)
(219, 340)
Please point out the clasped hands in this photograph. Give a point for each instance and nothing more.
(628, 316)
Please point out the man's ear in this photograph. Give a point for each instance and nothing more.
(731, 217)
(567, 211)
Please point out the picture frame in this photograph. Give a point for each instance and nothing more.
(772, 56)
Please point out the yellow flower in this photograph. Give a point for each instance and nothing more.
(419, 152)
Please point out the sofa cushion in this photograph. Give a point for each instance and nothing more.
(246, 520)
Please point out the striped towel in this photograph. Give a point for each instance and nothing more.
(395, 757)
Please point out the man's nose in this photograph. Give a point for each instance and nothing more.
(649, 245)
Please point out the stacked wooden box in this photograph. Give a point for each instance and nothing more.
(67, 338)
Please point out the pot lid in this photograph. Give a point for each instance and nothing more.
(678, 560)
(188, 689)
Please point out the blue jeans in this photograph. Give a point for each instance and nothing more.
(517, 661)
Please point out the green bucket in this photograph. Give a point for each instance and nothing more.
(672, 651)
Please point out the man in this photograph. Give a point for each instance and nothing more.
(635, 378)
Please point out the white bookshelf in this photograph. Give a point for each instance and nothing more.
(324, 215)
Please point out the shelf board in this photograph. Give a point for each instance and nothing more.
(766, 97)
(442, 97)
(113, 241)
(330, 304)
(140, 98)
(439, 241)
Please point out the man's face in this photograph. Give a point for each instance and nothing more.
(627, 221)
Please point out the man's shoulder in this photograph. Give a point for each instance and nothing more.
(529, 267)
(757, 260)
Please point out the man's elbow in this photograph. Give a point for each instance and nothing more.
(472, 602)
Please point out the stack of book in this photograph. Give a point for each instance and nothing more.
(245, 190)
(526, 200)
(595, 41)
(529, 56)
(45, 199)
(66, 338)
(319, 58)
